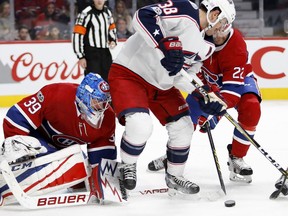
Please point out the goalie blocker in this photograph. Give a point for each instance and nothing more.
(55, 172)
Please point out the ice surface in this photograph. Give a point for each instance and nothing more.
(251, 199)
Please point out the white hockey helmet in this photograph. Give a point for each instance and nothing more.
(226, 7)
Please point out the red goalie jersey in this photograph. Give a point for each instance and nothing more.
(52, 116)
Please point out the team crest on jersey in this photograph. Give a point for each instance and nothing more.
(40, 96)
(62, 140)
(190, 59)
(210, 77)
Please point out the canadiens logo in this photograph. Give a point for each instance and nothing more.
(104, 86)
(210, 77)
(62, 140)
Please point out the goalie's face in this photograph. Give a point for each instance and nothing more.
(93, 98)
(93, 114)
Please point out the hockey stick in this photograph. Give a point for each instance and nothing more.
(235, 123)
(56, 200)
(215, 157)
(277, 192)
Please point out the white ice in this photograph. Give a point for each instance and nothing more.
(251, 199)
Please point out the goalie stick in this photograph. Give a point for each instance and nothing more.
(235, 123)
(215, 157)
(58, 200)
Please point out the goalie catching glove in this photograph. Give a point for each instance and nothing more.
(19, 148)
(173, 55)
(213, 104)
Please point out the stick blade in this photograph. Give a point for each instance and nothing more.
(275, 194)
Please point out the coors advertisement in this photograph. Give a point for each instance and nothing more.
(26, 67)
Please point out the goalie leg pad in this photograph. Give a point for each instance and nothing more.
(56, 171)
(111, 184)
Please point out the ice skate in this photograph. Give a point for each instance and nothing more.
(158, 164)
(278, 184)
(239, 170)
(181, 185)
(128, 175)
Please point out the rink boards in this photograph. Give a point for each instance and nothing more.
(26, 67)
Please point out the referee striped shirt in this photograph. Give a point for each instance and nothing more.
(93, 28)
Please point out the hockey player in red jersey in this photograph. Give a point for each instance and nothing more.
(168, 38)
(60, 115)
(229, 71)
(63, 114)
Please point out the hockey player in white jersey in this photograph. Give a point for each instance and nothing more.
(169, 37)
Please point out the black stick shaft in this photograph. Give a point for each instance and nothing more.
(215, 157)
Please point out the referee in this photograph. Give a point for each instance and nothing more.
(94, 33)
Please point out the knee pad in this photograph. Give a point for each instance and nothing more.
(138, 128)
(249, 111)
(180, 132)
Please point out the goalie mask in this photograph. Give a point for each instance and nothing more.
(93, 98)
(226, 16)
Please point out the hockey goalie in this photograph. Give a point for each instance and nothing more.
(62, 137)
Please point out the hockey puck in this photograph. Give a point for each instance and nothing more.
(230, 203)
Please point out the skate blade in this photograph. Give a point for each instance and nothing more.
(155, 171)
(239, 178)
(173, 193)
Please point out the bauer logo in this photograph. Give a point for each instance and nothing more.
(60, 200)
(183, 106)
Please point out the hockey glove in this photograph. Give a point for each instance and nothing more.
(19, 148)
(212, 122)
(215, 105)
(173, 55)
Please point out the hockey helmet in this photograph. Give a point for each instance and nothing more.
(227, 12)
(93, 98)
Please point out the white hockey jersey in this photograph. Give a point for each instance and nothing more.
(154, 22)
